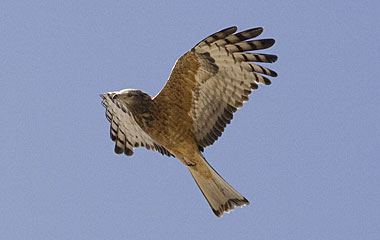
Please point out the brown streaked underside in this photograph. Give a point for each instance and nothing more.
(172, 126)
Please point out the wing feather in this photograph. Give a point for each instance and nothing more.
(220, 95)
(241, 36)
(125, 131)
(215, 77)
(216, 36)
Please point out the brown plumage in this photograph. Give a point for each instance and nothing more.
(207, 85)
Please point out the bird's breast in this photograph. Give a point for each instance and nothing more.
(171, 127)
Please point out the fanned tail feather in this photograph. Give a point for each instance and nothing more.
(221, 196)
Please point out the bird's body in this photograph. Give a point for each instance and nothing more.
(206, 86)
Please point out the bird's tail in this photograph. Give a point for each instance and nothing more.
(219, 194)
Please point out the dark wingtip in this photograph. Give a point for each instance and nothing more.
(266, 81)
(273, 73)
(118, 150)
(260, 29)
(269, 42)
(232, 29)
(254, 86)
(128, 152)
(272, 58)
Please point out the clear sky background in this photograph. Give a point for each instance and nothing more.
(305, 151)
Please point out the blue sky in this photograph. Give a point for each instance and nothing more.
(304, 151)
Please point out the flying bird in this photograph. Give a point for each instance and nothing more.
(205, 88)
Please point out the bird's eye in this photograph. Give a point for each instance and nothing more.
(129, 95)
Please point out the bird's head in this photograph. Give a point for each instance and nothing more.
(132, 97)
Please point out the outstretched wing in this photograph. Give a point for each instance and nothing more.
(124, 130)
(218, 74)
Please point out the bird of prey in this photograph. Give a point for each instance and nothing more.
(205, 88)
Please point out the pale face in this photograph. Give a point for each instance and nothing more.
(132, 97)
